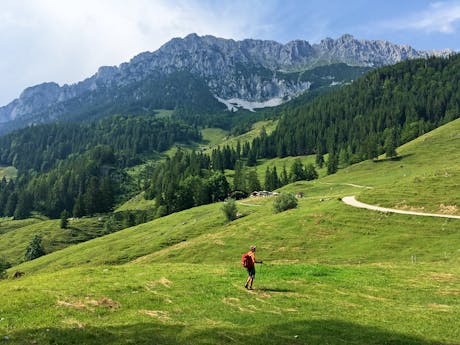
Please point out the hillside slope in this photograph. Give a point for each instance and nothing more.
(317, 231)
(331, 274)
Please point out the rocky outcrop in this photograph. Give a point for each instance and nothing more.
(249, 70)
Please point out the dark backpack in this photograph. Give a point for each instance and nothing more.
(246, 260)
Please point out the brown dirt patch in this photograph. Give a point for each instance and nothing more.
(162, 281)
(439, 306)
(235, 302)
(448, 209)
(89, 304)
(454, 292)
(374, 298)
(159, 314)
(406, 207)
(443, 277)
(77, 305)
(104, 302)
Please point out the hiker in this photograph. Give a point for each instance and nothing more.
(249, 261)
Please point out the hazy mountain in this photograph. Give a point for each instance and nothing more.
(201, 73)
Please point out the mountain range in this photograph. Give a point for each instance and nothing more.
(207, 74)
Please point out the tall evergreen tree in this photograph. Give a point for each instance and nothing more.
(332, 163)
(297, 172)
(310, 172)
(64, 222)
(253, 181)
(239, 179)
(390, 144)
(269, 182)
(284, 178)
(34, 249)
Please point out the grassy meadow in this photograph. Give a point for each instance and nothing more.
(8, 172)
(332, 274)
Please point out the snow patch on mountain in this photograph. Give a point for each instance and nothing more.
(233, 104)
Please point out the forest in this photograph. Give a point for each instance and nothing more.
(80, 168)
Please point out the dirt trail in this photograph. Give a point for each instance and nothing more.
(351, 200)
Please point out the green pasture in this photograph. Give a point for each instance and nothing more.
(176, 303)
(16, 235)
(332, 274)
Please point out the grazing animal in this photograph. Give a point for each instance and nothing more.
(18, 274)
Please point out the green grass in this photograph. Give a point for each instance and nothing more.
(214, 136)
(206, 304)
(16, 235)
(136, 203)
(221, 138)
(332, 274)
(163, 113)
(425, 178)
(8, 172)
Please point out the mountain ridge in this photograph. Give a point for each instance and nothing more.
(249, 70)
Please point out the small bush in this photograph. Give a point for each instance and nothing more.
(284, 202)
(229, 209)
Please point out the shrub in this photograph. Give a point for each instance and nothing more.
(284, 202)
(229, 209)
(35, 249)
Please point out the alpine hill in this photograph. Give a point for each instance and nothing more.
(331, 272)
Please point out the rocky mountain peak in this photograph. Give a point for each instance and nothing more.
(257, 71)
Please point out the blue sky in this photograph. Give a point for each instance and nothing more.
(67, 40)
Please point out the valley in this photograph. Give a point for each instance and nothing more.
(331, 272)
(127, 199)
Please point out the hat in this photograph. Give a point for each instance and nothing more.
(252, 247)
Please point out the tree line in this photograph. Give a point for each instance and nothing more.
(41, 147)
(190, 179)
(375, 114)
(79, 168)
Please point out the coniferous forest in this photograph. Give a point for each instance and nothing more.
(385, 108)
(80, 168)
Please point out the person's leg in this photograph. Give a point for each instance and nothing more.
(252, 275)
(247, 282)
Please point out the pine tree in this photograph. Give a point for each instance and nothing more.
(11, 204)
(230, 210)
(284, 179)
(35, 249)
(79, 207)
(310, 172)
(275, 178)
(253, 181)
(269, 182)
(332, 163)
(319, 159)
(23, 206)
(297, 172)
(64, 219)
(239, 180)
(390, 144)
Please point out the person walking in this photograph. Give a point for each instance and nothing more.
(249, 261)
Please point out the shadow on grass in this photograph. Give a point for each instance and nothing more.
(332, 332)
(395, 158)
(272, 290)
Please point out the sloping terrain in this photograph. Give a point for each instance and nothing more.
(331, 274)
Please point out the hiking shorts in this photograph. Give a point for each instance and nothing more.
(251, 271)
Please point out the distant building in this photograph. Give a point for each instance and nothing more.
(263, 193)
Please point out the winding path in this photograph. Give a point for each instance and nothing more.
(351, 200)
